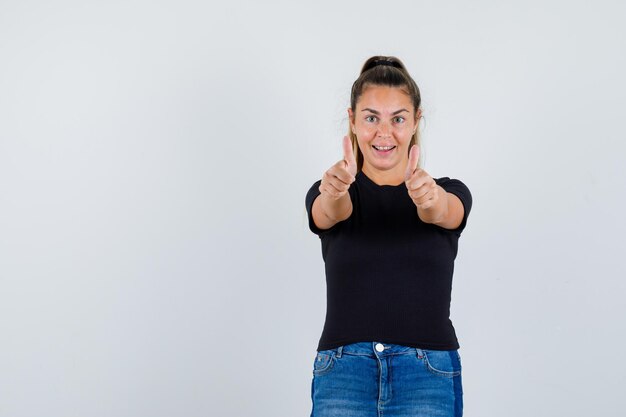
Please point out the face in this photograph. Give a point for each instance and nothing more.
(384, 122)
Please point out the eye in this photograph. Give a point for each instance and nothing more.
(399, 119)
(370, 118)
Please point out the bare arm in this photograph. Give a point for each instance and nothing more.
(447, 213)
(434, 204)
(327, 212)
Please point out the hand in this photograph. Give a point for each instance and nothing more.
(337, 179)
(422, 188)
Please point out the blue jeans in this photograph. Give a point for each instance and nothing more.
(375, 379)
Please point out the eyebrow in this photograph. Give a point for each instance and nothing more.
(377, 113)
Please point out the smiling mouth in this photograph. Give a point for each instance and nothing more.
(383, 148)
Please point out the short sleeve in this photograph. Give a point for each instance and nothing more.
(458, 188)
(311, 195)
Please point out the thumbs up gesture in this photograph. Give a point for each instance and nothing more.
(422, 188)
(337, 179)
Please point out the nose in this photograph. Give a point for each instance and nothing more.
(384, 130)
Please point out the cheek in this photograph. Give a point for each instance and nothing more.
(406, 132)
(365, 127)
(364, 136)
(364, 142)
(406, 128)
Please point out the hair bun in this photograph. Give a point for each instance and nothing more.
(390, 61)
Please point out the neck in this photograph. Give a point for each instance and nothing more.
(394, 176)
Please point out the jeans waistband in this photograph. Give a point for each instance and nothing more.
(376, 348)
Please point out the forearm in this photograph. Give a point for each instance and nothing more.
(328, 212)
(437, 211)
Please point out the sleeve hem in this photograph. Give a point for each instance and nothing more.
(311, 196)
(313, 227)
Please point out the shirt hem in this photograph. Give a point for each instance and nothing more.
(414, 344)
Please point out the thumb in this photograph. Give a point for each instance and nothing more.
(348, 155)
(414, 155)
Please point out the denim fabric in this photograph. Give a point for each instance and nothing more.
(360, 380)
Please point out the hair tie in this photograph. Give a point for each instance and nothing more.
(385, 62)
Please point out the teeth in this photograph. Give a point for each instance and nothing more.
(383, 148)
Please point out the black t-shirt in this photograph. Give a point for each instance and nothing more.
(388, 274)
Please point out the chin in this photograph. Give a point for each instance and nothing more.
(385, 167)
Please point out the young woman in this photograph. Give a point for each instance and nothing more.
(389, 235)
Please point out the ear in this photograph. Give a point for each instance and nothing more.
(351, 119)
(418, 114)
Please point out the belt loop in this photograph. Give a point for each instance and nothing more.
(420, 353)
(339, 350)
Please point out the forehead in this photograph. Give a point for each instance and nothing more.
(384, 98)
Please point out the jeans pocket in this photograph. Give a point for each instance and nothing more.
(324, 361)
(444, 363)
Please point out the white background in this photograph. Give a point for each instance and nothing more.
(155, 258)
